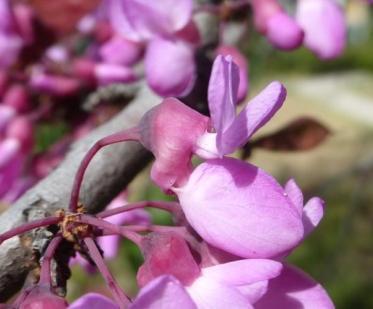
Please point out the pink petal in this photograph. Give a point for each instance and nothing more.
(255, 291)
(247, 211)
(312, 214)
(119, 50)
(283, 32)
(295, 195)
(144, 20)
(9, 148)
(222, 94)
(324, 25)
(93, 301)
(170, 68)
(256, 114)
(6, 114)
(163, 292)
(241, 61)
(294, 289)
(112, 73)
(163, 133)
(243, 272)
(208, 294)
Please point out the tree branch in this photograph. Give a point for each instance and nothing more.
(109, 172)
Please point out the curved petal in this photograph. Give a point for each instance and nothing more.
(324, 25)
(243, 272)
(247, 211)
(118, 50)
(255, 291)
(222, 94)
(256, 114)
(163, 292)
(294, 194)
(294, 289)
(243, 66)
(113, 73)
(144, 20)
(208, 294)
(170, 68)
(93, 301)
(312, 214)
(283, 31)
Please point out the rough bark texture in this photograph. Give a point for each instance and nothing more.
(109, 172)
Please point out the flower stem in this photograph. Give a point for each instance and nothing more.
(128, 135)
(45, 274)
(172, 207)
(28, 226)
(118, 294)
(109, 228)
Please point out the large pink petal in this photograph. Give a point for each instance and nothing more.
(93, 301)
(170, 68)
(222, 94)
(237, 207)
(324, 25)
(163, 292)
(256, 114)
(243, 272)
(294, 289)
(144, 20)
(208, 293)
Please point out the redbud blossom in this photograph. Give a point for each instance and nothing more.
(281, 30)
(324, 26)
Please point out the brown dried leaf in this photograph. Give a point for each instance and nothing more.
(301, 134)
(62, 15)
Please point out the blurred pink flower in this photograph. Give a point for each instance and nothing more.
(324, 26)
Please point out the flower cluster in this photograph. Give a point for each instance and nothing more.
(123, 41)
(234, 223)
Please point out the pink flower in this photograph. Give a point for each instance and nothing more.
(165, 25)
(324, 26)
(141, 20)
(281, 30)
(230, 131)
(163, 128)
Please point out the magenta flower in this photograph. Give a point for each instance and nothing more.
(324, 26)
(162, 129)
(281, 30)
(169, 58)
